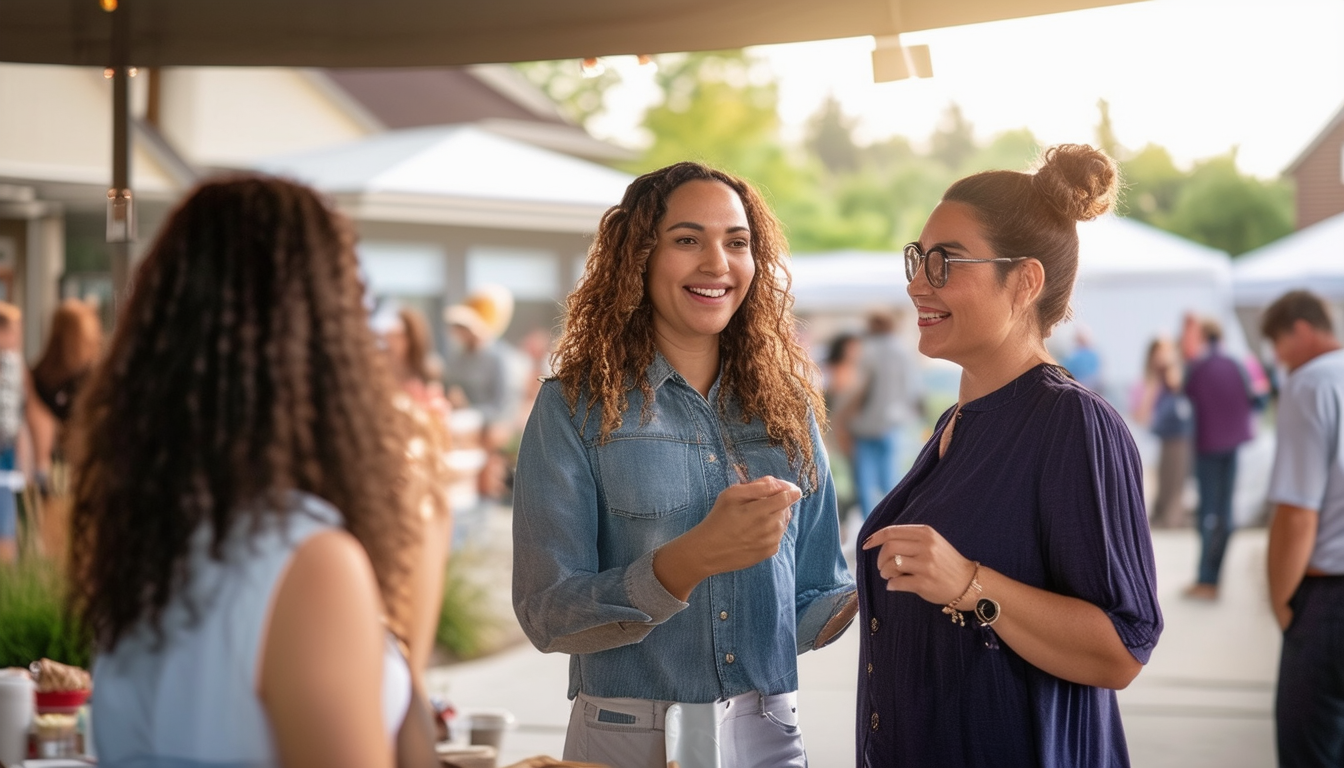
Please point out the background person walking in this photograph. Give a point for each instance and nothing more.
(1219, 392)
(888, 398)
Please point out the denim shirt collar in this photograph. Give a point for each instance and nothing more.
(660, 371)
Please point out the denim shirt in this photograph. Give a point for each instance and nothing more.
(588, 519)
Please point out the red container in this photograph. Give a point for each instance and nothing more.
(60, 702)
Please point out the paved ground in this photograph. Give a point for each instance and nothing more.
(1204, 701)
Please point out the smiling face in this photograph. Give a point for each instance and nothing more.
(971, 319)
(701, 267)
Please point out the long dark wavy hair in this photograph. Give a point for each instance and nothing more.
(607, 342)
(242, 367)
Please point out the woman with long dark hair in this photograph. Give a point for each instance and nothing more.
(241, 519)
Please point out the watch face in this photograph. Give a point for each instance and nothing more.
(987, 611)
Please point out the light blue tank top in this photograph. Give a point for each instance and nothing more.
(191, 700)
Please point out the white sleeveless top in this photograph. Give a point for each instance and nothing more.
(191, 700)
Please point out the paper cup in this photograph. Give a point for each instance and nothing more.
(16, 715)
(488, 726)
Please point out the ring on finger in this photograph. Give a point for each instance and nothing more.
(898, 560)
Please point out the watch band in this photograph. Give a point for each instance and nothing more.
(986, 611)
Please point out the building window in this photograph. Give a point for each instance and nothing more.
(531, 274)
(404, 269)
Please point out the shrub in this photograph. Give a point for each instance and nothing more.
(465, 620)
(34, 621)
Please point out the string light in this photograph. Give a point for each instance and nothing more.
(592, 67)
(108, 5)
(108, 72)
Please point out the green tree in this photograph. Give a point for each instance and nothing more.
(830, 136)
(718, 107)
(1223, 208)
(581, 98)
(953, 142)
(1152, 182)
(1106, 140)
(1012, 150)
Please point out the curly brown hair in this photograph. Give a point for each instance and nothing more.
(607, 341)
(242, 368)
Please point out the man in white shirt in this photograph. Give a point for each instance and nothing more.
(1306, 536)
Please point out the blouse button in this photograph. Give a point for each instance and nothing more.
(730, 658)
(723, 615)
(873, 624)
(873, 721)
(870, 667)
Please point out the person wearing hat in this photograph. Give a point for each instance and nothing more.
(478, 374)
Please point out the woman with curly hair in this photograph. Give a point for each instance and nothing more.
(241, 483)
(675, 527)
(1007, 583)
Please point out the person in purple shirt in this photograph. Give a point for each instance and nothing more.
(1007, 584)
(1217, 388)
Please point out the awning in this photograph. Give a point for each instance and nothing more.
(401, 33)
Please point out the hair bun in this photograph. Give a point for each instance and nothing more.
(1080, 182)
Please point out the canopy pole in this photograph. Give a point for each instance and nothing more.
(120, 212)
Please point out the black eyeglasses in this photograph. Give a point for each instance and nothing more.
(935, 263)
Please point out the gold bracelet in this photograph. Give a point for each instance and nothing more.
(955, 614)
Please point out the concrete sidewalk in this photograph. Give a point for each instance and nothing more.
(1204, 701)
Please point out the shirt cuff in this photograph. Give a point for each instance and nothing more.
(647, 593)
(817, 615)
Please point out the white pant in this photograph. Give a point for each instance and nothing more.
(754, 731)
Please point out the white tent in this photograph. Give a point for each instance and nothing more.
(1311, 258)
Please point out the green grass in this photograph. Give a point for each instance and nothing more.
(33, 618)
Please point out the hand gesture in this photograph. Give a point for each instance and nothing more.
(747, 523)
(916, 558)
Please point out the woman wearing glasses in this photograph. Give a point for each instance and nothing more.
(1007, 583)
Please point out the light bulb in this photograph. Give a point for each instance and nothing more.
(592, 67)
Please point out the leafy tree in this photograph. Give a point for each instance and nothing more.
(718, 107)
(954, 139)
(1106, 140)
(1152, 183)
(1014, 150)
(580, 98)
(1221, 207)
(830, 136)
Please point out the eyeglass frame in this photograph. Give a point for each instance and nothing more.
(922, 262)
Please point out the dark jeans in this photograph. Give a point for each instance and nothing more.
(1216, 474)
(1309, 703)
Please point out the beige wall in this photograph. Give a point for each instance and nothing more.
(230, 116)
(56, 125)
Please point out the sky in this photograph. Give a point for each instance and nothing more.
(1197, 77)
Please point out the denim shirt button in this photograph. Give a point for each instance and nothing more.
(870, 667)
(711, 458)
(873, 624)
(723, 615)
(873, 721)
(730, 658)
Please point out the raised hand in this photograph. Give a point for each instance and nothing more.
(929, 566)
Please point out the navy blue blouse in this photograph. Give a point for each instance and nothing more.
(1041, 482)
